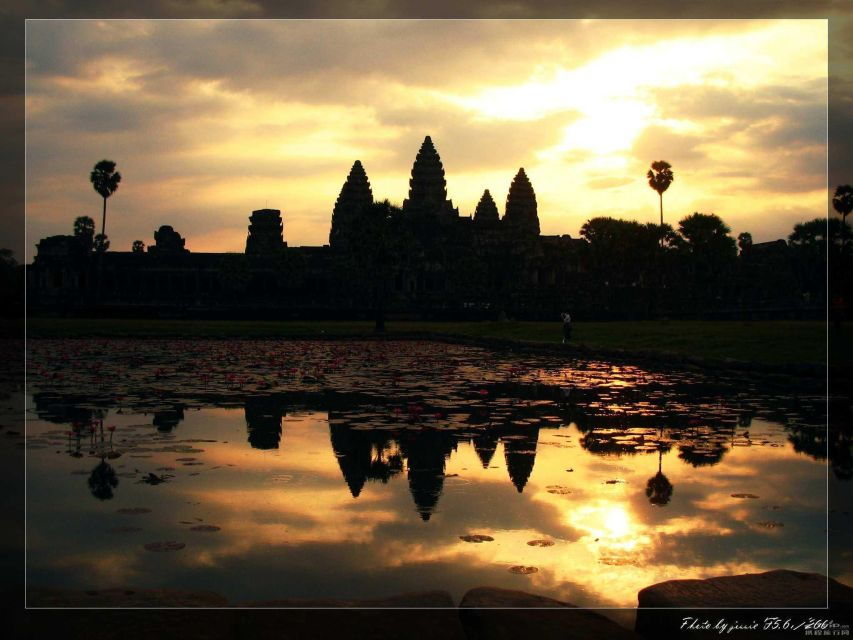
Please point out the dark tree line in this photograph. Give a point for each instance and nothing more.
(646, 270)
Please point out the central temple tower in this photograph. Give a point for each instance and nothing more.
(521, 217)
(427, 187)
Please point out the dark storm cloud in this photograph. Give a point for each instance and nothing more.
(434, 9)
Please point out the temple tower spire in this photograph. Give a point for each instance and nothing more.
(354, 197)
(486, 212)
(427, 187)
(521, 216)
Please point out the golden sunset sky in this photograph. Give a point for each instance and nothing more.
(209, 120)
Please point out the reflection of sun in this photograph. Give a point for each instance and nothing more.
(609, 525)
(617, 522)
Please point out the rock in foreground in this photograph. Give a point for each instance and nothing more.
(755, 596)
(417, 600)
(497, 614)
(125, 598)
(780, 588)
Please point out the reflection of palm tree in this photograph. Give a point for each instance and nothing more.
(382, 468)
(842, 202)
(659, 488)
(103, 480)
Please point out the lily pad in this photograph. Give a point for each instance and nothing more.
(558, 490)
(744, 495)
(205, 528)
(477, 537)
(540, 543)
(522, 569)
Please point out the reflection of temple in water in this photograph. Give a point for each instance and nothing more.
(166, 419)
(363, 455)
(426, 452)
(372, 443)
(372, 454)
(520, 454)
(263, 421)
(485, 444)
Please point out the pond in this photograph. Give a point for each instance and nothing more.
(355, 469)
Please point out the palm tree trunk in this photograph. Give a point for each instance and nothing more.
(101, 253)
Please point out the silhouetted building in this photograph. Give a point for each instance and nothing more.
(168, 241)
(444, 265)
(266, 233)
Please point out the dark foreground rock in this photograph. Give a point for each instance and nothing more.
(429, 615)
(418, 600)
(416, 616)
(755, 596)
(502, 614)
(125, 598)
(780, 588)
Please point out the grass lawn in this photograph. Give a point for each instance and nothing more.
(766, 342)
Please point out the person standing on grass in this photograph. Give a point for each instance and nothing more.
(567, 326)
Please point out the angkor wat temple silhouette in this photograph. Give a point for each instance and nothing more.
(481, 265)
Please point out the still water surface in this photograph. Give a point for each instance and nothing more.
(269, 469)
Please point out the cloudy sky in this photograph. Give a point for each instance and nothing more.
(209, 120)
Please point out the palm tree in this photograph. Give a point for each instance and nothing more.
(842, 201)
(660, 177)
(105, 179)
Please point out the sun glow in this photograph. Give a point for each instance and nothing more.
(610, 526)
